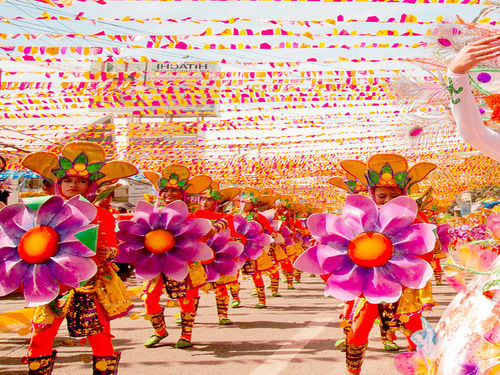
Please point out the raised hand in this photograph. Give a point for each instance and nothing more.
(474, 53)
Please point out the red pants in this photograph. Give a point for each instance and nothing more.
(41, 341)
(363, 322)
(152, 299)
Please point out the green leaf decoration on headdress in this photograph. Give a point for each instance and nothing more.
(162, 183)
(373, 177)
(401, 178)
(82, 159)
(351, 184)
(96, 176)
(93, 168)
(59, 173)
(181, 183)
(65, 163)
(386, 169)
(214, 194)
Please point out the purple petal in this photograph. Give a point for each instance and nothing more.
(70, 269)
(132, 238)
(75, 248)
(360, 213)
(347, 283)
(177, 212)
(239, 223)
(409, 271)
(49, 210)
(72, 224)
(397, 215)
(143, 209)
(85, 208)
(191, 251)
(253, 252)
(417, 239)
(232, 249)
(308, 262)
(219, 240)
(382, 286)
(40, 286)
(212, 274)
(65, 213)
(226, 266)
(130, 227)
(193, 229)
(331, 259)
(8, 252)
(329, 229)
(148, 266)
(13, 271)
(174, 268)
(10, 216)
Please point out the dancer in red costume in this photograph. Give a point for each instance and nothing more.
(250, 199)
(384, 174)
(173, 184)
(81, 169)
(212, 201)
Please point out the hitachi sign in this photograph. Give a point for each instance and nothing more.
(181, 66)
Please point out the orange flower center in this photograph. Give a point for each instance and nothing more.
(370, 249)
(210, 260)
(38, 244)
(159, 241)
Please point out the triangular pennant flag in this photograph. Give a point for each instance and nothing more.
(34, 203)
(88, 237)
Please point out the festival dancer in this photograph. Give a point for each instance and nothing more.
(249, 201)
(81, 169)
(388, 177)
(465, 110)
(212, 201)
(174, 183)
(373, 252)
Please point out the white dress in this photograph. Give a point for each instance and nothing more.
(469, 122)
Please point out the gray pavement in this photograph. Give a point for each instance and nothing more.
(294, 335)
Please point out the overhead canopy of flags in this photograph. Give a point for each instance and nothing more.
(265, 99)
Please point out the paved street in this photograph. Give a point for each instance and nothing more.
(294, 335)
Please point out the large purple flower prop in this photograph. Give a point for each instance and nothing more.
(256, 240)
(287, 235)
(368, 251)
(225, 254)
(40, 247)
(162, 240)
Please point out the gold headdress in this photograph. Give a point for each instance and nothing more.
(78, 159)
(177, 176)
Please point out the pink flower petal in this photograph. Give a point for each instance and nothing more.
(382, 287)
(331, 259)
(329, 228)
(308, 262)
(13, 271)
(417, 239)
(360, 213)
(397, 214)
(40, 286)
(70, 269)
(346, 284)
(49, 210)
(409, 271)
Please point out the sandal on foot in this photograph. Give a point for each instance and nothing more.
(154, 339)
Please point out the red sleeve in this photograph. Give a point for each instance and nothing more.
(261, 219)
(106, 235)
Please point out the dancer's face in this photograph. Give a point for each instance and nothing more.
(207, 204)
(71, 186)
(383, 194)
(170, 194)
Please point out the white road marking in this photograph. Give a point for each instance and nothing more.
(277, 362)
